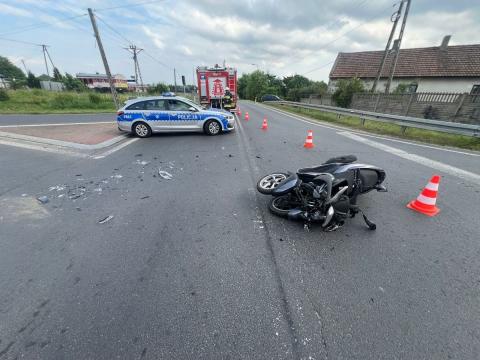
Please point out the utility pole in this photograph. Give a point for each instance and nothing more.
(44, 49)
(398, 44)
(175, 79)
(397, 15)
(104, 58)
(135, 50)
(25, 67)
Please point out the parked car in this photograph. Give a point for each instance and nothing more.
(270, 97)
(147, 115)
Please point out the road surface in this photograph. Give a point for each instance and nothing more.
(195, 267)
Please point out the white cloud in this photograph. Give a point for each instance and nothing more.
(15, 11)
(154, 36)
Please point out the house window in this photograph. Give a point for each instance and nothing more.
(412, 88)
(475, 90)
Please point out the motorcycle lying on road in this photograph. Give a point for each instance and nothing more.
(325, 194)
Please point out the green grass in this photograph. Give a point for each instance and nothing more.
(427, 136)
(48, 102)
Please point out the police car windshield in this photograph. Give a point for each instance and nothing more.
(196, 106)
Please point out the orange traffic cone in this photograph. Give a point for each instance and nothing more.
(247, 117)
(309, 140)
(425, 202)
(265, 124)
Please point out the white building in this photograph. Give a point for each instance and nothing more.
(449, 69)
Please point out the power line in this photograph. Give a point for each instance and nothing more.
(112, 29)
(128, 5)
(343, 34)
(131, 42)
(40, 25)
(318, 68)
(20, 41)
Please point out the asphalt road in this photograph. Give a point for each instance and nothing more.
(195, 267)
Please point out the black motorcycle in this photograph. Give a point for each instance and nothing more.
(326, 194)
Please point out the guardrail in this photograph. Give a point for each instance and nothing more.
(403, 121)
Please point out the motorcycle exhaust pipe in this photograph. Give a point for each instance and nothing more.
(296, 214)
(329, 216)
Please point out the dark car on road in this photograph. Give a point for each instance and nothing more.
(270, 97)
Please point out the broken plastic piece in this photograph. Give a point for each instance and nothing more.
(43, 199)
(166, 175)
(108, 218)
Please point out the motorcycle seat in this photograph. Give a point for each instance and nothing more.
(345, 159)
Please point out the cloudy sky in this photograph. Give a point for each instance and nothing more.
(282, 37)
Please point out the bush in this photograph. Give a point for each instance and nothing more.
(345, 90)
(4, 95)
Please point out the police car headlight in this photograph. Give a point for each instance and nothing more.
(230, 117)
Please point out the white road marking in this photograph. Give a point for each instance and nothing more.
(43, 147)
(66, 144)
(336, 127)
(58, 124)
(114, 149)
(463, 174)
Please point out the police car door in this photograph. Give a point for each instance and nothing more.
(181, 118)
(155, 112)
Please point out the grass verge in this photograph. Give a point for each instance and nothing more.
(48, 102)
(427, 136)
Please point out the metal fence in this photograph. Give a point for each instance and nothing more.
(403, 121)
(453, 107)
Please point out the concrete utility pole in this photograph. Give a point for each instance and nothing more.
(134, 50)
(44, 49)
(175, 79)
(397, 50)
(25, 67)
(104, 58)
(397, 15)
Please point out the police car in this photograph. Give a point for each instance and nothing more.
(147, 115)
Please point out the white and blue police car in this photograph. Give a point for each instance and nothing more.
(146, 115)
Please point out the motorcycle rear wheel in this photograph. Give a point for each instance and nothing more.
(281, 205)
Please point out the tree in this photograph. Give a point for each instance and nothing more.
(72, 83)
(257, 85)
(32, 81)
(296, 82)
(10, 71)
(57, 76)
(158, 88)
(345, 90)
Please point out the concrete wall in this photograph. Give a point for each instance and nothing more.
(448, 85)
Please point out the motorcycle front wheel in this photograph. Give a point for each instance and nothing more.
(269, 182)
(281, 205)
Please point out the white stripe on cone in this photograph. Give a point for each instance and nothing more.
(432, 186)
(426, 200)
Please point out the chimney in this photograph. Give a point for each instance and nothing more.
(445, 41)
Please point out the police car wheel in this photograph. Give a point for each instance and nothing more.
(212, 127)
(142, 130)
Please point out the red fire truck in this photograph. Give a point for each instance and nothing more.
(212, 85)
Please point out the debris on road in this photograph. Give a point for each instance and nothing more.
(144, 197)
(166, 175)
(43, 199)
(57, 188)
(104, 220)
(142, 162)
(116, 176)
